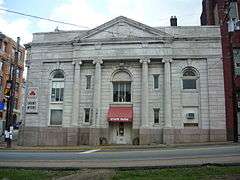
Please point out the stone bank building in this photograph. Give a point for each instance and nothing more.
(125, 83)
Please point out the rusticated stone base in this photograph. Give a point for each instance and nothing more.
(59, 136)
(150, 136)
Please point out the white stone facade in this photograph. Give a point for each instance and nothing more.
(124, 45)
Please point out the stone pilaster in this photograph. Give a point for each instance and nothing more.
(97, 92)
(144, 100)
(76, 93)
(168, 133)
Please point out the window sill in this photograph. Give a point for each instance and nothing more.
(86, 124)
(121, 103)
(190, 91)
(57, 102)
(54, 125)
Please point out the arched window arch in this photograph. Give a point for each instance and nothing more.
(57, 86)
(121, 86)
(189, 78)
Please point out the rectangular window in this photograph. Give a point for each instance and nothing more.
(236, 58)
(1, 84)
(16, 89)
(17, 73)
(88, 79)
(121, 92)
(156, 115)
(87, 115)
(233, 10)
(56, 117)
(57, 91)
(4, 47)
(1, 67)
(189, 84)
(13, 52)
(156, 81)
(19, 55)
(15, 103)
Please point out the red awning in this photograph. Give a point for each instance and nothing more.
(120, 114)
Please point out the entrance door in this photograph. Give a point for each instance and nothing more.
(120, 133)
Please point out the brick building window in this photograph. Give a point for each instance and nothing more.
(1, 83)
(17, 73)
(233, 10)
(1, 67)
(13, 52)
(236, 58)
(4, 46)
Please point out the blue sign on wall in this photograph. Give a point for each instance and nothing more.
(1, 106)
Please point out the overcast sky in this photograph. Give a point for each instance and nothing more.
(91, 13)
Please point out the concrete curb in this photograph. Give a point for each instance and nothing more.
(109, 147)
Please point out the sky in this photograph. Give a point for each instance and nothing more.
(92, 13)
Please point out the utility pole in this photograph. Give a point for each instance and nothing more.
(10, 99)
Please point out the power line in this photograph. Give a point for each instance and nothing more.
(37, 17)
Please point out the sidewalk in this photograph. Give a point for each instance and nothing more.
(15, 147)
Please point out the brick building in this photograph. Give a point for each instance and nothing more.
(220, 12)
(124, 82)
(7, 49)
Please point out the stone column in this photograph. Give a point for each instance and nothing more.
(145, 132)
(144, 99)
(168, 133)
(76, 93)
(72, 133)
(97, 92)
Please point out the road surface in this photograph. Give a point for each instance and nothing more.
(98, 158)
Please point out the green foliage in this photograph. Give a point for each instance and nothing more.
(23, 174)
(194, 173)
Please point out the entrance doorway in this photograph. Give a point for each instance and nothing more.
(120, 132)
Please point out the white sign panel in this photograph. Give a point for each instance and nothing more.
(32, 100)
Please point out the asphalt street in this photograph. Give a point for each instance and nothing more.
(123, 158)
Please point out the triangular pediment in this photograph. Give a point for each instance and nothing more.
(123, 28)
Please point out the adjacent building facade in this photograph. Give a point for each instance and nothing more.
(125, 83)
(221, 12)
(7, 50)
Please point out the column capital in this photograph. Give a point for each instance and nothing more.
(167, 60)
(97, 61)
(144, 60)
(79, 62)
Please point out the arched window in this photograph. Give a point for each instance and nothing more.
(56, 100)
(121, 87)
(189, 78)
(57, 86)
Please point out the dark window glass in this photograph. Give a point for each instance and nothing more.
(121, 92)
(156, 81)
(189, 83)
(87, 114)
(156, 116)
(88, 85)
